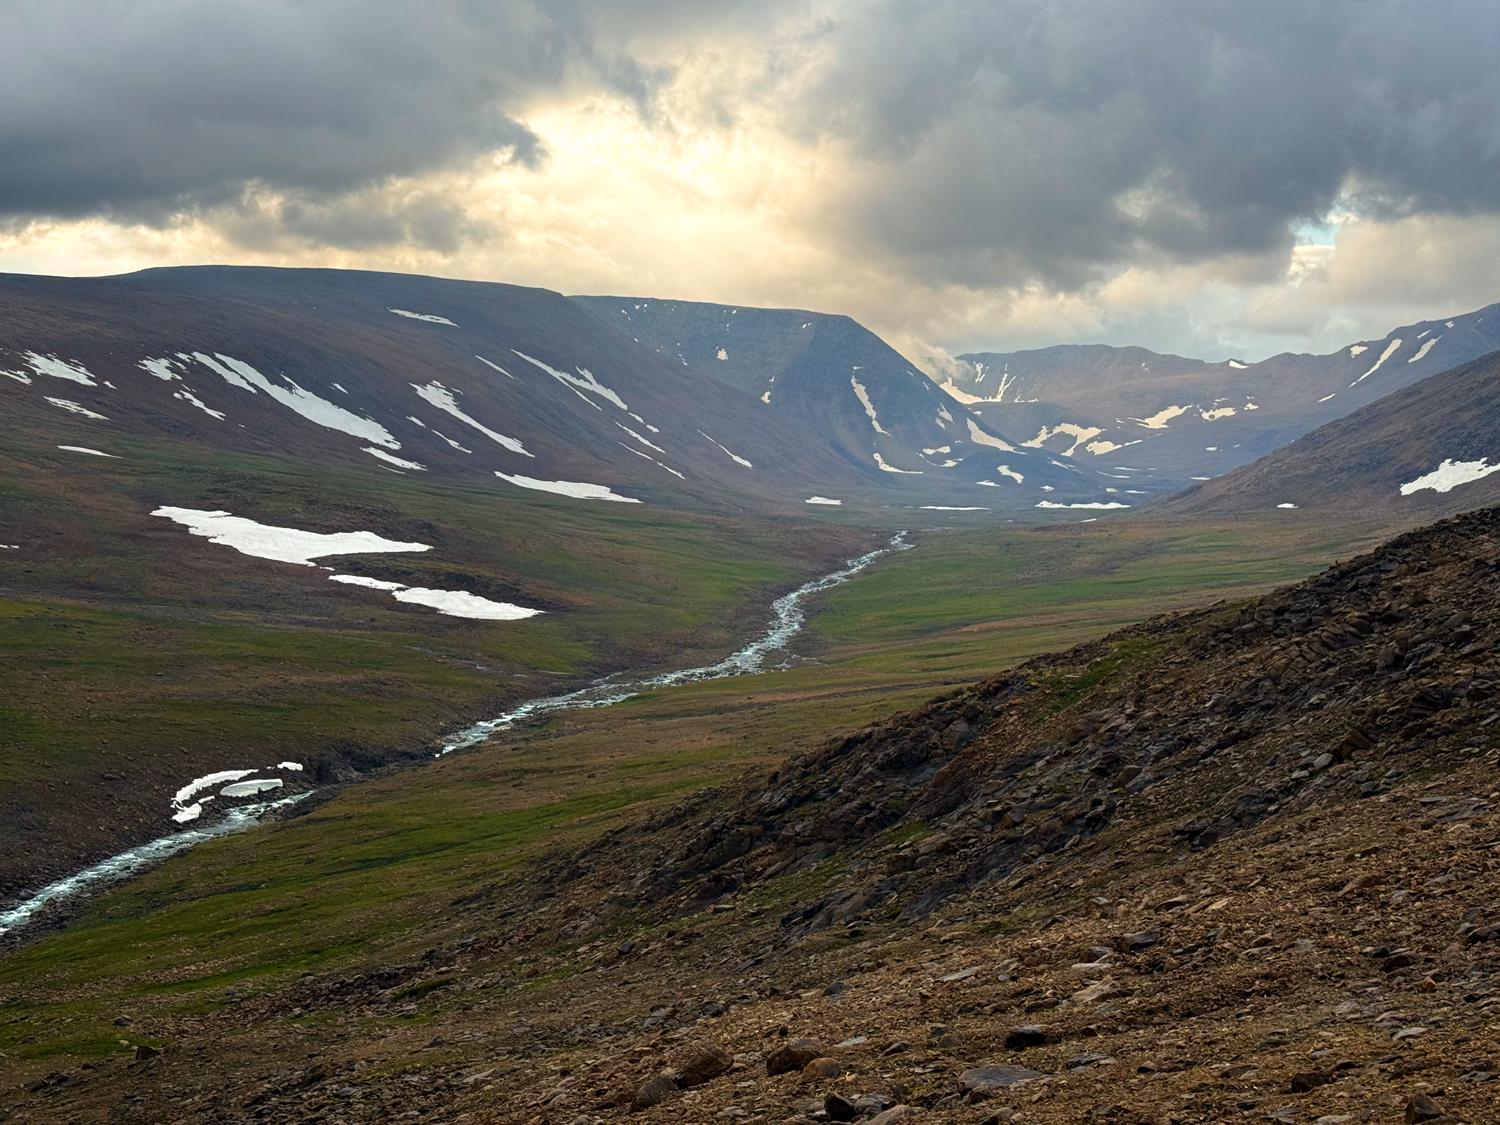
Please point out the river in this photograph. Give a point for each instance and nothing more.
(788, 616)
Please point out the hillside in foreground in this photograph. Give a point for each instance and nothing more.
(1231, 863)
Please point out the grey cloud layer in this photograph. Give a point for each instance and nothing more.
(144, 109)
(1046, 139)
(991, 142)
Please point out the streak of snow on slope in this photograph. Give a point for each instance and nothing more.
(450, 441)
(74, 408)
(979, 437)
(583, 381)
(822, 499)
(1079, 434)
(1449, 475)
(400, 462)
(1288, 505)
(452, 603)
(1424, 349)
(949, 508)
(1390, 350)
(187, 396)
(864, 400)
(887, 467)
(496, 366)
(1237, 365)
(250, 788)
(1159, 420)
(1090, 504)
(163, 369)
(317, 410)
(644, 441)
(435, 394)
(86, 449)
(578, 490)
(428, 318)
(653, 460)
(60, 369)
(280, 544)
(735, 457)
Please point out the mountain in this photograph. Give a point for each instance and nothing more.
(830, 376)
(1236, 863)
(513, 387)
(1423, 451)
(1174, 420)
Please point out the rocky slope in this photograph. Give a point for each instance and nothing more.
(831, 376)
(1231, 864)
(1173, 419)
(1422, 452)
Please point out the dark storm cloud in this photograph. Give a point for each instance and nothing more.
(143, 110)
(1017, 140)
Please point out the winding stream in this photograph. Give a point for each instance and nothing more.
(788, 615)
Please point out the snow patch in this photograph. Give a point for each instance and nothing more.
(1090, 504)
(280, 544)
(822, 499)
(1237, 365)
(583, 381)
(60, 369)
(1159, 420)
(74, 408)
(451, 603)
(578, 490)
(1007, 471)
(1449, 475)
(1357, 349)
(316, 410)
(949, 508)
(426, 318)
(980, 437)
(1287, 505)
(496, 366)
(735, 457)
(1079, 434)
(864, 400)
(1424, 349)
(435, 394)
(721, 354)
(1390, 350)
(86, 449)
(887, 467)
(1216, 413)
(389, 459)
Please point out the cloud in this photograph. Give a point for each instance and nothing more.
(147, 110)
(971, 174)
(1053, 140)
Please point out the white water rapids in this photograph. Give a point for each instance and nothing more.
(787, 619)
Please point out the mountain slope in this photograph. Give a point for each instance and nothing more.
(831, 376)
(1173, 419)
(1231, 863)
(1423, 451)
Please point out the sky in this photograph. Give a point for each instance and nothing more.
(1216, 178)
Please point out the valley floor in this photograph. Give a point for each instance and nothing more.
(242, 940)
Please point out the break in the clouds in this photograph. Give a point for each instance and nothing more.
(1196, 175)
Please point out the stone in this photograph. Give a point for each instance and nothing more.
(988, 1079)
(654, 1092)
(1420, 1107)
(822, 1067)
(1306, 1080)
(894, 1114)
(703, 1064)
(793, 1055)
(839, 1108)
(1031, 1035)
